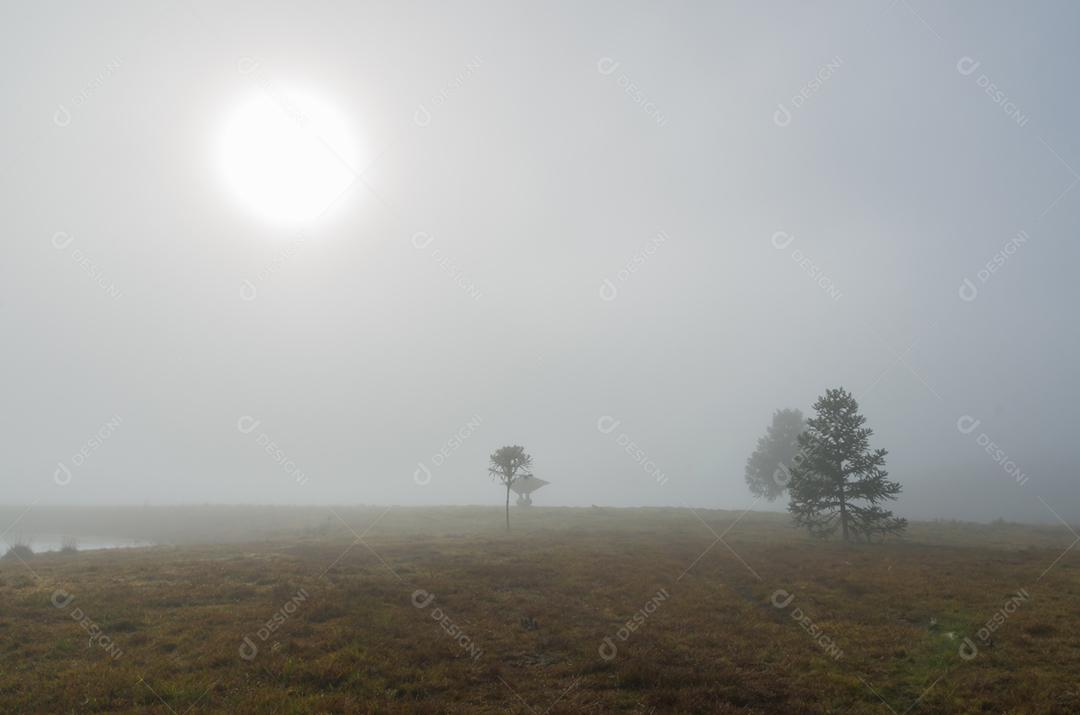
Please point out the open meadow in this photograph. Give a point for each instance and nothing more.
(414, 610)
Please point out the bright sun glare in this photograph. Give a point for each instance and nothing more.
(287, 157)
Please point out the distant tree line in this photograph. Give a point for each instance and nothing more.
(835, 482)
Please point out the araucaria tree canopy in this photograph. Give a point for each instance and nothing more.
(837, 481)
(509, 464)
(768, 468)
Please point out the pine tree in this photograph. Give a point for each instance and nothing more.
(768, 468)
(838, 481)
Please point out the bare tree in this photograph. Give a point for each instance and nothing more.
(508, 464)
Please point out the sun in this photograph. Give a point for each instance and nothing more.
(287, 156)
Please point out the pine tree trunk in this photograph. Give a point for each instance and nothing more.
(843, 506)
(843, 518)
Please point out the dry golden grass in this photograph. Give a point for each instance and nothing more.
(538, 604)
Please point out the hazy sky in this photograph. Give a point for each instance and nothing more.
(679, 217)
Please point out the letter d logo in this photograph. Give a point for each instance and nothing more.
(247, 424)
(967, 424)
(61, 117)
(607, 649)
(247, 65)
(781, 240)
(968, 291)
(248, 650)
(781, 117)
(421, 598)
(607, 424)
(966, 65)
(422, 117)
(422, 475)
(606, 65)
(781, 598)
(61, 598)
(62, 475)
(61, 240)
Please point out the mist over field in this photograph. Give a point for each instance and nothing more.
(679, 218)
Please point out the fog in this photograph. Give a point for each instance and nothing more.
(619, 234)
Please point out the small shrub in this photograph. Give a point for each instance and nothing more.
(19, 550)
(1040, 630)
(122, 626)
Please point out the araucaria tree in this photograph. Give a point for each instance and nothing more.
(508, 464)
(838, 481)
(768, 468)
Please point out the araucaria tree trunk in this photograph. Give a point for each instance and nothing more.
(837, 481)
(509, 464)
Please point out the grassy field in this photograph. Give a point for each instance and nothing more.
(576, 611)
